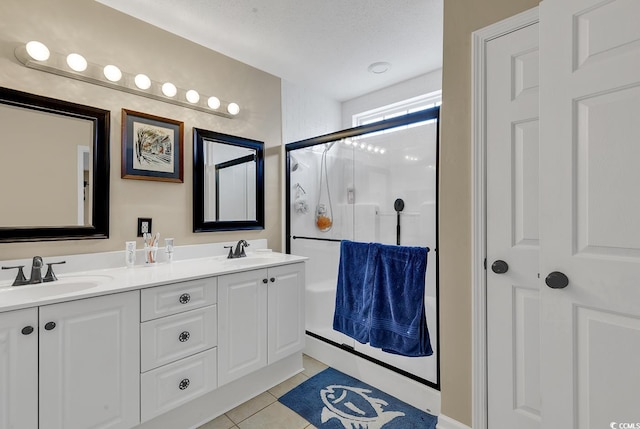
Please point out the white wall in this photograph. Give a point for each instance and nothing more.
(307, 114)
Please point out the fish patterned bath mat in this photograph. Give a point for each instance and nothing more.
(333, 400)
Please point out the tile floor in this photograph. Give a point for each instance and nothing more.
(264, 411)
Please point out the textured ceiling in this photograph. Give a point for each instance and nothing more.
(324, 45)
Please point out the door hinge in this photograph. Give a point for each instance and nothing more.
(485, 263)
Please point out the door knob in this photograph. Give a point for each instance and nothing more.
(556, 280)
(499, 267)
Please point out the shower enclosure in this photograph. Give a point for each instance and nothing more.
(373, 183)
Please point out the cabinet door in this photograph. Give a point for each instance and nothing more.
(242, 324)
(90, 363)
(286, 311)
(19, 369)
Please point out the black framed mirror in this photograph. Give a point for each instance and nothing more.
(228, 182)
(54, 171)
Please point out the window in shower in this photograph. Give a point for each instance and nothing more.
(373, 183)
(415, 104)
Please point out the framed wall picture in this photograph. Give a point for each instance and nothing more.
(152, 147)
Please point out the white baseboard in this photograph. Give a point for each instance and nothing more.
(445, 422)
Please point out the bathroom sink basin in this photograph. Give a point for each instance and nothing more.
(64, 286)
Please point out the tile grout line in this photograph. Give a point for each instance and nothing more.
(251, 415)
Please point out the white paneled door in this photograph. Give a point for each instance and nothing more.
(590, 213)
(513, 304)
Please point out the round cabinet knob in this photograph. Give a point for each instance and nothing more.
(184, 336)
(49, 326)
(27, 330)
(184, 298)
(272, 279)
(184, 384)
(557, 280)
(499, 267)
(265, 281)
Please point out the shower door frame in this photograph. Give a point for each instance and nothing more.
(408, 119)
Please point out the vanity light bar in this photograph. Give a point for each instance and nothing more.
(37, 56)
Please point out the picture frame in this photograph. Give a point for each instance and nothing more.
(152, 147)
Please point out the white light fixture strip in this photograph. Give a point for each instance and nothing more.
(112, 77)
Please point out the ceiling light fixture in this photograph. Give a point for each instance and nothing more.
(36, 55)
(379, 67)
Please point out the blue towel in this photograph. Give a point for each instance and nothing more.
(380, 297)
(354, 293)
(398, 323)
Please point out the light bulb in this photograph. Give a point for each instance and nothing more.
(77, 62)
(169, 89)
(369, 148)
(112, 73)
(382, 151)
(233, 109)
(193, 96)
(213, 102)
(38, 51)
(142, 81)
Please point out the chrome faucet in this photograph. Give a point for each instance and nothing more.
(239, 252)
(36, 272)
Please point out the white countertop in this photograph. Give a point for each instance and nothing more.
(86, 284)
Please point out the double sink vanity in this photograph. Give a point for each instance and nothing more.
(166, 346)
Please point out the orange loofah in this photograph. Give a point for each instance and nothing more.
(323, 222)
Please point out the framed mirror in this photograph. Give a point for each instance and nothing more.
(228, 182)
(54, 171)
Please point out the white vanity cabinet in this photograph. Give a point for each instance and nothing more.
(89, 363)
(71, 365)
(19, 369)
(260, 318)
(178, 344)
(140, 346)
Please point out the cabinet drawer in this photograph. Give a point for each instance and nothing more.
(171, 385)
(174, 298)
(171, 338)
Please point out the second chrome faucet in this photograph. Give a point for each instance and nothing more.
(239, 251)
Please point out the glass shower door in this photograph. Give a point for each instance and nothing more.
(378, 186)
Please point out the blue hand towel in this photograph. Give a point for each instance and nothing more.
(398, 323)
(354, 293)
